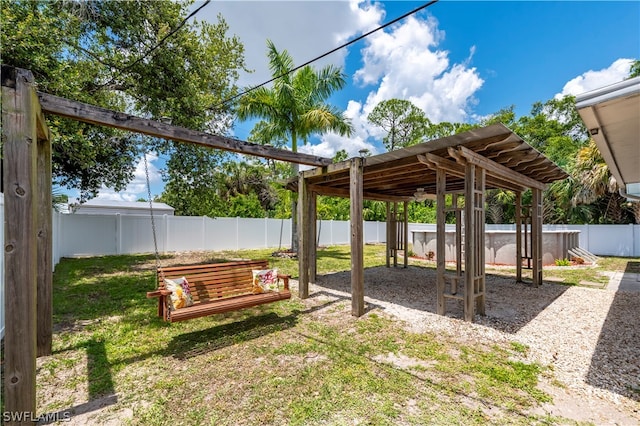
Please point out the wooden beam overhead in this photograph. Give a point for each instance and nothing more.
(96, 115)
(495, 169)
(458, 170)
(345, 193)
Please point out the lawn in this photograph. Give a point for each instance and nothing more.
(294, 362)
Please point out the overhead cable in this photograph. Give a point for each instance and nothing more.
(349, 43)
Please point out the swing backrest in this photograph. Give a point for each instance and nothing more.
(216, 280)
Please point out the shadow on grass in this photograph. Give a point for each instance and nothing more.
(615, 365)
(101, 387)
(508, 303)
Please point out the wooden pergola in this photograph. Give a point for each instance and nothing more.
(26, 172)
(457, 170)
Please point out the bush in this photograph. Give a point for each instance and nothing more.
(563, 262)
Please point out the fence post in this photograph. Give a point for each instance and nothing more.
(237, 233)
(165, 225)
(204, 231)
(118, 233)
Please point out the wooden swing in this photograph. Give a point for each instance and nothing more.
(214, 288)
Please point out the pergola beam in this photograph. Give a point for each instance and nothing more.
(493, 168)
(96, 115)
(345, 193)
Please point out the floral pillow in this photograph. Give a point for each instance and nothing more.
(180, 293)
(265, 280)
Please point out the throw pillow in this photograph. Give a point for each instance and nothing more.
(265, 280)
(180, 293)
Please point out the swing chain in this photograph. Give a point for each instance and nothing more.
(153, 222)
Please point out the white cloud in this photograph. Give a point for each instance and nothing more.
(405, 63)
(137, 188)
(591, 80)
(306, 29)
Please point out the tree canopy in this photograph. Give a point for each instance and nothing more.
(138, 56)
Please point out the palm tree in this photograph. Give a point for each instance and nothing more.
(295, 107)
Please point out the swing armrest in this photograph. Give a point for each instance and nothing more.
(158, 293)
(285, 279)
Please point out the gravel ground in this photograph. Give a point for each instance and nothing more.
(589, 337)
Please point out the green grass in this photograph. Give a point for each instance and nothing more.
(283, 363)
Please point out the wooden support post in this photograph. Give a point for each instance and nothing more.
(303, 238)
(389, 225)
(459, 258)
(441, 185)
(406, 233)
(357, 255)
(519, 237)
(45, 250)
(313, 232)
(19, 129)
(395, 235)
(479, 277)
(469, 241)
(536, 236)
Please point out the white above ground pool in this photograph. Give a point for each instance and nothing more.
(499, 245)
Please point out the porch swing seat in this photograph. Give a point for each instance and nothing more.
(216, 288)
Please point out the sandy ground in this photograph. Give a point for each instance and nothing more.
(590, 337)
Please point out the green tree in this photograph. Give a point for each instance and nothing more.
(129, 56)
(295, 107)
(403, 121)
(634, 71)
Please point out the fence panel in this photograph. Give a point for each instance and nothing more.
(88, 235)
(132, 234)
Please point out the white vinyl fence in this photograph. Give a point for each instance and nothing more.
(92, 235)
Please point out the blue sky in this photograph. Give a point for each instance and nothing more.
(456, 60)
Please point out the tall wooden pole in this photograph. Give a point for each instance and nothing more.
(536, 235)
(518, 236)
(469, 241)
(313, 233)
(405, 228)
(45, 249)
(357, 254)
(441, 185)
(303, 237)
(19, 128)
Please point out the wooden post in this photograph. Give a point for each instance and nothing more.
(395, 234)
(469, 241)
(20, 140)
(441, 185)
(389, 225)
(479, 278)
(45, 249)
(303, 238)
(536, 236)
(459, 260)
(406, 233)
(357, 255)
(519, 237)
(313, 233)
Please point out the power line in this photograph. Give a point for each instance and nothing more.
(349, 43)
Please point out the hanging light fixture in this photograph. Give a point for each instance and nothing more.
(420, 194)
